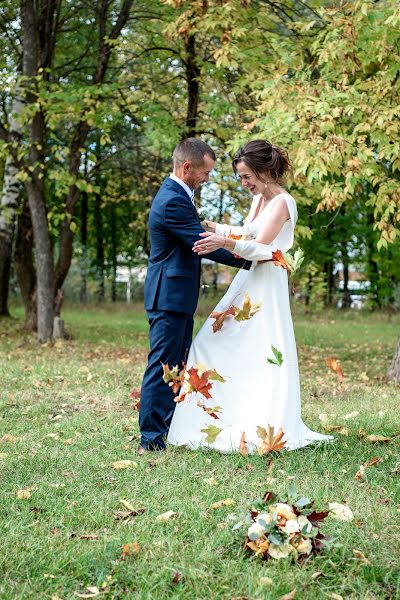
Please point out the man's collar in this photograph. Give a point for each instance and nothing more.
(187, 189)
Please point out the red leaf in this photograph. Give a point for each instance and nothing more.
(279, 260)
(199, 384)
(316, 518)
(221, 316)
(333, 364)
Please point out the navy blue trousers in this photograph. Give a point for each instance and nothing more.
(170, 339)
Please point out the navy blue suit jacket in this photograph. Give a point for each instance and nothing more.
(173, 275)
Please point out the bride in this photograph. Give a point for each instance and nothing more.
(257, 392)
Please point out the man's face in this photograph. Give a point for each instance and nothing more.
(196, 175)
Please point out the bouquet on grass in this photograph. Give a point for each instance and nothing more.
(281, 527)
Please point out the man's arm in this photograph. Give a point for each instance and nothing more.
(182, 222)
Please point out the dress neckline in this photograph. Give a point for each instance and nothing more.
(266, 206)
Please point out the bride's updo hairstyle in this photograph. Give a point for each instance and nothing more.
(262, 158)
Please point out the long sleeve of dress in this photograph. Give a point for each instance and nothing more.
(252, 250)
(226, 230)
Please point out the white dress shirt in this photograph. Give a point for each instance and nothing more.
(187, 189)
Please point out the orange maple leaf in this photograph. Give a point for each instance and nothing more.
(279, 260)
(173, 377)
(210, 410)
(232, 236)
(333, 364)
(221, 316)
(270, 442)
(199, 384)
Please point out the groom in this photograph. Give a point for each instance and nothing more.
(172, 283)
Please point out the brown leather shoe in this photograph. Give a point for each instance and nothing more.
(140, 451)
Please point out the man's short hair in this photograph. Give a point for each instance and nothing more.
(193, 150)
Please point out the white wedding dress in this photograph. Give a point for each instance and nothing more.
(256, 392)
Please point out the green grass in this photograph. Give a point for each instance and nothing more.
(67, 406)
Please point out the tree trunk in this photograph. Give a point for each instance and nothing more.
(114, 251)
(31, 62)
(9, 203)
(193, 88)
(24, 266)
(105, 46)
(346, 299)
(393, 373)
(84, 260)
(98, 223)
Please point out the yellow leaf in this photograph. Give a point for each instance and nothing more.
(164, 517)
(130, 549)
(361, 557)
(243, 449)
(25, 494)
(270, 442)
(124, 464)
(220, 503)
(212, 432)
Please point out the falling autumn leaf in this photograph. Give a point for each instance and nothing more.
(166, 516)
(198, 379)
(294, 262)
(270, 442)
(221, 316)
(243, 449)
(173, 377)
(277, 360)
(124, 464)
(212, 432)
(225, 502)
(248, 309)
(280, 261)
(210, 410)
(333, 364)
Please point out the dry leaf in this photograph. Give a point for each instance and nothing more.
(92, 592)
(289, 596)
(3, 455)
(212, 432)
(7, 438)
(361, 557)
(89, 536)
(130, 549)
(377, 439)
(174, 377)
(340, 512)
(176, 577)
(333, 364)
(270, 442)
(221, 316)
(243, 450)
(279, 260)
(354, 413)
(124, 464)
(210, 481)
(164, 517)
(225, 502)
(25, 494)
(334, 596)
(266, 581)
(316, 575)
(248, 309)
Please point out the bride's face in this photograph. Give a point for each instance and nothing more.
(250, 180)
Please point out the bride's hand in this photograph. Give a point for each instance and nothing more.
(209, 225)
(209, 243)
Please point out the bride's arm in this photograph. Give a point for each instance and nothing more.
(222, 229)
(258, 249)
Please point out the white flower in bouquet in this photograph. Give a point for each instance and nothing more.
(291, 526)
(280, 551)
(304, 522)
(255, 531)
(304, 546)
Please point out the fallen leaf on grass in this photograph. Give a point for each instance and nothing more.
(316, 575)
(122, 515)
(351, 415)
(266, 581)
(396, 470)
(370, 463)
(89, 536)
(8, 439)
(220, 503)
(334, 596)
(290, 596)
(130, 549)
(340, 512)
(361, 557)
(333, 364)
(124, 464)
(210, 481)
(270, 442)
(3, 455)
(166, 516)
(377, 439)
(212, 432)
(92, 592)
(176, 577)
(335, 428)
(26, 493)
(243, 449)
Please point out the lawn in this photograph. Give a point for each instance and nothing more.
(66, 416)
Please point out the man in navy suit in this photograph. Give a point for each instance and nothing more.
(173, 282)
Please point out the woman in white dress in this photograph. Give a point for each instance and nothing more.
(256, 393)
